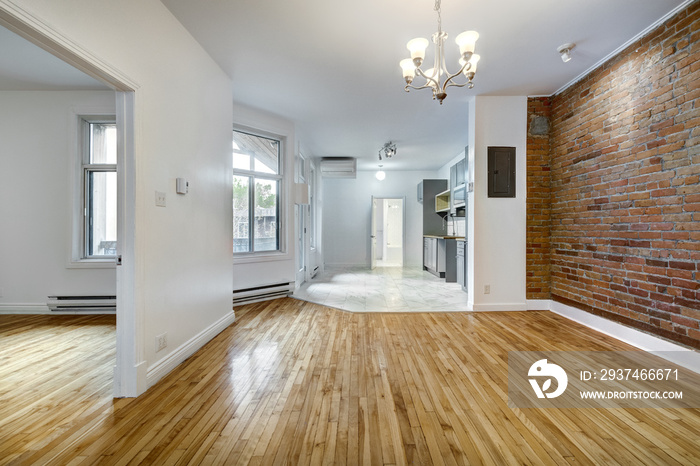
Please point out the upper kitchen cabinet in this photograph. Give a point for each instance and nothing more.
(458, 187)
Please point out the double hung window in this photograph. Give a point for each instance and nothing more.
(99, 187)
(257, 183)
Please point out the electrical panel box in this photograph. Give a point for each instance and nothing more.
(501, 171)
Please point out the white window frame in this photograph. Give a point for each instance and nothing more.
(281, 251)
(78, 251)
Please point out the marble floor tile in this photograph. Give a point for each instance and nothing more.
(384, 289)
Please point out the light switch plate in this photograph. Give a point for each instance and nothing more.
(160, 199)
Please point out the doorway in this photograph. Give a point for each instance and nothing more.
(388, 232)
(61, 57)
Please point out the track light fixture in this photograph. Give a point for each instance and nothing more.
(389, 150)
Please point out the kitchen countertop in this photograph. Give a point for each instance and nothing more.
(444, 237)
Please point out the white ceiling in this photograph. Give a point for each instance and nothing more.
(332, 67)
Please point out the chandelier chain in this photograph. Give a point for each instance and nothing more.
(437, 8)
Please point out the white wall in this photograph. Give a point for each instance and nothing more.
(38, 131)
(182, 253)
(347, 211)
(496, 227)
(276, 267)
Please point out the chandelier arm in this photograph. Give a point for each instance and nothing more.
(427, 78)
(448, 82)
(425, 86)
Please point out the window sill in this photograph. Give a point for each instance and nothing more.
(251, 258)
(92, 264)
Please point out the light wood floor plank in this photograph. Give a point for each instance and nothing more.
(297, 383)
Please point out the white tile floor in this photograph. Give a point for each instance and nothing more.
(384, 289)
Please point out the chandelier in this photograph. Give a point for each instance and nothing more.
(438, 78)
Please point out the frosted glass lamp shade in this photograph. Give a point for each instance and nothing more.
(474, 60)
(409, 69)
(380, 175)
(417, 47)
(466, 41)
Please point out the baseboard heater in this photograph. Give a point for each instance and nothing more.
(262, 293)
(82, 303)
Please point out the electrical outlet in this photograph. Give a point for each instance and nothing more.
(487, 289)
(161, 341)
(160, 199)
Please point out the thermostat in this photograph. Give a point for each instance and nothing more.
(182, 186)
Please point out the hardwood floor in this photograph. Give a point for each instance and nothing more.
(297, 383)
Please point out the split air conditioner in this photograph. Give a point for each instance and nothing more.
(339, 167)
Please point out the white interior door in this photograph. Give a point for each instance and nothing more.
(373, 235)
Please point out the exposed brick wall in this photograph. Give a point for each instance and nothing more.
(625, 185)
(538, 198)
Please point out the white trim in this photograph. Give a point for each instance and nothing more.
(618, 50)
(499, 307)
(163, 367)
(43, 309)
(644, 341)
(24, 308)
(538, 304)
(24, 23)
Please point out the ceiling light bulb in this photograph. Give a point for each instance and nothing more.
(380, 175)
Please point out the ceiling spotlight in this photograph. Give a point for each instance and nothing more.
(565, 51)
(389, 150)
(380, 174)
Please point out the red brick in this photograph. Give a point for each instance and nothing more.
(614, 188)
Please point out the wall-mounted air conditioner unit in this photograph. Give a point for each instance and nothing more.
(339, 167)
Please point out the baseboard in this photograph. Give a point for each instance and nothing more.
(539, 304)
(671, 351)
(43, 309)
(163, 367)
(486, 307)
(24, 309)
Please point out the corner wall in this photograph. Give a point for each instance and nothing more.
(496, 227)
(625, 186)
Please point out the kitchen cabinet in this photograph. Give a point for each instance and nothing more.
(461, 264)
(450, 260)
(434, 258)
(433, 223)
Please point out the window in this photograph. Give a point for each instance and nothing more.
(99, 187)
(257, 179)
